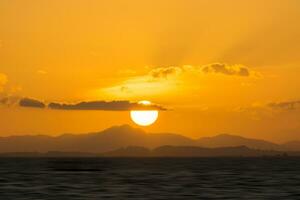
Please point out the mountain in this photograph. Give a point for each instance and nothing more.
(292, 146)
(226, 140)
(190, 151)
(107, 140)
(50, 154)
(131, 151)
(123, 136)
(163, 151)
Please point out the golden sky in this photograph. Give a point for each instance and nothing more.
(219, 66)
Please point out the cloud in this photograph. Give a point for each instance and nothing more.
(214, 68)
(104, 105)
(286, 105)
(258, 111)
(89, 105)
(125, 89)
(27, 102)
(186, 78)
(9, 100)
(221, 68)
(165, 72)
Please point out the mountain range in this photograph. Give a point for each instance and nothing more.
(118, 137)
(192, 151)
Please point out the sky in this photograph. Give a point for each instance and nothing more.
(215, 66)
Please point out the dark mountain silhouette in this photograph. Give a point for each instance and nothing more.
(227, 140)
(123, 136)
(131, 151)
(107, 140)
(190, 151)
(163, 151)
(292, 146)
(52, 154)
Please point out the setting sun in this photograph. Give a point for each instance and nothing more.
(144, 117)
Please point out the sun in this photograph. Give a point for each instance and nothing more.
(144, 117)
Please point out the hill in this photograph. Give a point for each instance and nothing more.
(227, 140)
(118, 137)
(107, 140)
(191, 151)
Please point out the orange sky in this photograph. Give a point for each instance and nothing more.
(219, 66)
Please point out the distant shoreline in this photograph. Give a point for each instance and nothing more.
(160, 152)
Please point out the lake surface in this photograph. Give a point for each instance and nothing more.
(149, 178)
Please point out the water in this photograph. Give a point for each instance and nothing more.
(149, 178)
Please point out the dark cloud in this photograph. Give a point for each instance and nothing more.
(164, 72)
(214, 68)
(226, 69)
(9, 100)
(287, 105)
(27, 102)
(90, 105)
(125, 89)
(104, 105)
(4, 101)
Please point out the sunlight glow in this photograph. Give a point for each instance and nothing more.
(145, 102)
(144, 117)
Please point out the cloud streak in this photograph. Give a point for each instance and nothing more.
(88, 105)
(165, 72)
(169, 79)
(32, 103)
(231, 70)
(9, 100)
(214, 68)
(285, 105)
(105, 105)
(259, 111)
